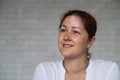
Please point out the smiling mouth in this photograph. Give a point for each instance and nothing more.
(67, 45)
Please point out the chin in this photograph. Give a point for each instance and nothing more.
(66, 54)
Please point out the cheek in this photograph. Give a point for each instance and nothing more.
(77, 41)
(60, 37)
(81, 41)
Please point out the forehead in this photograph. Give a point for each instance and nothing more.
(72, 20)
(72, 17)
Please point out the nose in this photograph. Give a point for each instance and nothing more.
(67, 36)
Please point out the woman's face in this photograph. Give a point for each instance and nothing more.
(73, 39)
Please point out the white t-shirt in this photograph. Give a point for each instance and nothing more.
(96, 70)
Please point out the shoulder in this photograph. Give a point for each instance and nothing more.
(46, 70)
(102, 63)
(106, 69)
(48, 66)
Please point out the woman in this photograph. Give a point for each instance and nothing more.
(76, 35)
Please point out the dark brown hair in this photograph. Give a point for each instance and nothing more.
(88, 20)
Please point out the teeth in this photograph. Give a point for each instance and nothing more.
(67, 45)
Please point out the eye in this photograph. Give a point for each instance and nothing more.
(76, 32)
(62, 30)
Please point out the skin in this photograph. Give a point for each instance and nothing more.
(73, 44)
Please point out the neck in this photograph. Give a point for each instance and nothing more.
(76, 65)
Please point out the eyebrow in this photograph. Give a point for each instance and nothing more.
(72, 26)
(63, 26)
(76, 27)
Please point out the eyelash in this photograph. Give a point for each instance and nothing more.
(62, 30)
(76, 32)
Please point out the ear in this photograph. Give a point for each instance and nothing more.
(91, 42)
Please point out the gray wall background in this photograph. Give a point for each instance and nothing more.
(29, 28)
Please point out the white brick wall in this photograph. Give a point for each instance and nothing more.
(28, 33)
